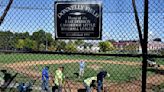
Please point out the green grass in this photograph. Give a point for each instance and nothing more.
(11, 58)
(119, 73)
(160, 61)
(158, 88)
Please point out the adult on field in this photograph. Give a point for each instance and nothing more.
(45, 79)
(59, 80)
(100, 77)
(81, 68)
(89, 83)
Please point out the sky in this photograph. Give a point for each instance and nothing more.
(118, 18)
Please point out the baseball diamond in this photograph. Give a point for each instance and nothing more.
(81, 45)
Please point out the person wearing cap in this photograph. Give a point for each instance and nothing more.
(59, 77)
(100, 77)
(89, 83)
(45, 79)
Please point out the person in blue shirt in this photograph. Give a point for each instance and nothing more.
(81, 68)
(100, 77)
(45, 79)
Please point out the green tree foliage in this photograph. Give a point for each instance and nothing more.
(131, 47)
(70, 47)
(30, 44)
(22, 35)
(106, 46)
(79, 42)
(39, 37)
(42, 38)
(59, 45)
(48, 39)
(25, 41)
(42, 47)
(6, 40)
(20, 44)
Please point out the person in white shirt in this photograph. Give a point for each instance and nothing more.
(81, 68)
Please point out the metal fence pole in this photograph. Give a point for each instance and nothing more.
(145, 40)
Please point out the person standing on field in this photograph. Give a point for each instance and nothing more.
(59, 77)
(81, 68)
(45, 79)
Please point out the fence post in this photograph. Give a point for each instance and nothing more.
(145, 41)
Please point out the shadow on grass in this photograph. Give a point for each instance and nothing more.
(156, 71)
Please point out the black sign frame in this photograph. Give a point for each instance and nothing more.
(96, 28)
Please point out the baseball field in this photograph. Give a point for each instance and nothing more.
(125, 71)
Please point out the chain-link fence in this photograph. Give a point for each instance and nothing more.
(29, 51)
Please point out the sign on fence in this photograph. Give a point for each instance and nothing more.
(78, 20)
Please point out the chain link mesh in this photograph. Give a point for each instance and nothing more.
(29, 27)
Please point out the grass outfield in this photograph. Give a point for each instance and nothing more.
(11, 58)
(159, 88)
(119, 73)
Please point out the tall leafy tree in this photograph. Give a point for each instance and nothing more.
(42, 39)
(59, 45)
(39, 37)
(30, 44)
(20, 44)
(106, 46)
(48, 39)
(6, 40)
(70, 47)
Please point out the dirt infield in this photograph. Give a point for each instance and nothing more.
(133, 86)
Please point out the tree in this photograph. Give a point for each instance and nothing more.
(106, 46)
(52, 48)
(112, 40)
(41, 47)
(70, 47)
(5, 11)
(132, 47)
(6, 40)
(30, 44)
(79, 42)
(59, 45)
(39, 37)
(85, 45)
(20, 44)
(49, 39)
(22, 35)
